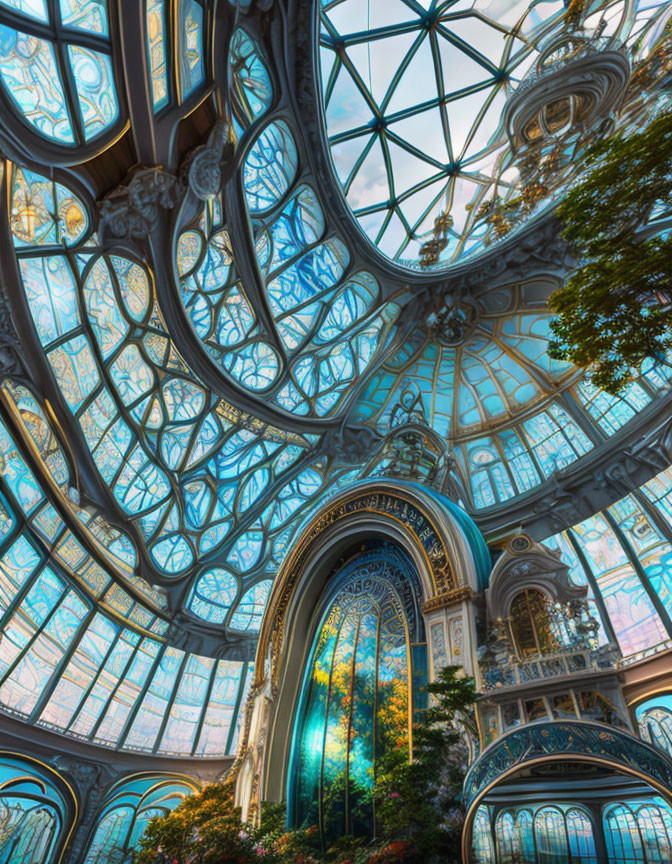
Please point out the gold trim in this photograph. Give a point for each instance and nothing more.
(634, 702)
(449, 598)
(21, 779)
(62, 779)
(441, 572)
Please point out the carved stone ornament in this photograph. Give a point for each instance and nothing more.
(131, 210)
(203, 168)
(246, 6)
(91, 781)
(10, 364)
(351, 445)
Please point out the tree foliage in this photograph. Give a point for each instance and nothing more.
(616, 309)
(419, 812)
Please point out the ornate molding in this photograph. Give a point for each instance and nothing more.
(396, 505)
(456, 595)
(91, 780)
(566, 740)
(10, 362)
(536, 566)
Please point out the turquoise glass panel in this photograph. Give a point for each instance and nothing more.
(36, 9)
(251, 87)
(356, 697)
(157, 52)
(250, 609)
(96, 94)
(190, 45)
(29, 72)
(87, 15)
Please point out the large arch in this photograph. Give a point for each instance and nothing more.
(575, 742)
(451, 561)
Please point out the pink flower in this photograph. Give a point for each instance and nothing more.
(394, 794)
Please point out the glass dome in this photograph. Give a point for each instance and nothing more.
(434, 162)
(197, 352)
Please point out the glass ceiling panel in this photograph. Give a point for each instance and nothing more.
(63, 90)
(414, 96)
(197, 500)
(624, 555)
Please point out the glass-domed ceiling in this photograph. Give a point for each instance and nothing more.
(195, 355)
(414, 96)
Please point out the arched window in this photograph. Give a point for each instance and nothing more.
(525, 831)
(531, 624)
(655, 825)
(551, 836)
(128, 808)
(35, 812)
(622, 835)
(506, 837)
(357, 696)
(482, 846)
(655, 721)
(581, 836)
(56, 68)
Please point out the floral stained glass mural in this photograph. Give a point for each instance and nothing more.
(357, 696)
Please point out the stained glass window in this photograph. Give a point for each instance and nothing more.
(548, 834)
(482, 847)
(612, 412)
(34, 813)
(654, 717)
(623, 837)
(158, 48)
(128, 807)
(251, 87)
(323, 323)
(359, 666)
(70, 110)
(190, 47)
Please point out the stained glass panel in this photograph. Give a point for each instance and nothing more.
(359, 666)
(157, 50)
(190, 45)
(30, 74)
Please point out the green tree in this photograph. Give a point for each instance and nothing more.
(615, 310)
(418, 804)
(204, 829)
(418, 801)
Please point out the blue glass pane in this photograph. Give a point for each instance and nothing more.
(30, 73)
(250, 82)
(270, 167)
(250, 609)
(96, 94)
(157, 51)
(87, 15)
(190, 45)
(33, 8)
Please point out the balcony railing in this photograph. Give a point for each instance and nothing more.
(569, 662)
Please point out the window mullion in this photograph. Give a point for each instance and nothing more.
(61, 666)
